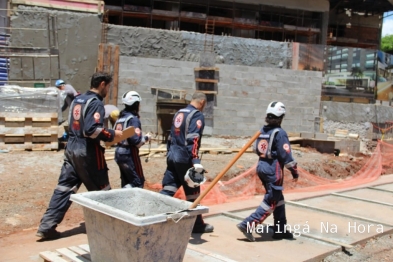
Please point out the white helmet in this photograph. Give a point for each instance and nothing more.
(130, 97)
(276, 108)
(194, 178)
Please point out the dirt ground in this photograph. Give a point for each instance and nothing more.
(27, 179)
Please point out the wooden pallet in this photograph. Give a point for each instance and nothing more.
(341, 133)
(79, 253)
(29, 131)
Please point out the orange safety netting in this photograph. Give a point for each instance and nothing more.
(384, 130)
(248, 184)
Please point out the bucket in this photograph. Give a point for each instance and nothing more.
(136, 225)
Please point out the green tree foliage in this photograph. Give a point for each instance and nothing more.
(387, 44)
(356, 72)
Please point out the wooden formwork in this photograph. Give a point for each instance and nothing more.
(108, 61)
(29, 131)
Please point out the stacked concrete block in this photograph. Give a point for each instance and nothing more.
(320, 136)
(243, 93)
(143, 74)
(251, 89)
(307, 135)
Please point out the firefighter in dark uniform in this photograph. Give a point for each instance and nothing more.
(127, 151)
(274, 151)
(84, 160)
(182, 147)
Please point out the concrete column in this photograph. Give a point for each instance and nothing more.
(325, 24)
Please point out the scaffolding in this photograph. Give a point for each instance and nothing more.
(230, 18)
(16, 55)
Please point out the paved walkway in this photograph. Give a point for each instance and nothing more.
(324, 222)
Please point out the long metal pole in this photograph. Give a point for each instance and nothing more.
(218, 177)
(50, 47)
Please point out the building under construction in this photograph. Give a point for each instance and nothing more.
(336, 22)
(155, 45)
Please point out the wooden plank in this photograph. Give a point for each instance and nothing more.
(52, 130)
(49, 256)
(206, 69)
(27, 115)
(85, 247)
(215, 81)
(208, 92)
(108, 58)
(107, 68)
(42, 124)
(85, 254)
(15, 119)
(100, 63)
(115, 88)
(341, 133)
(361, 100)
(71, 255)
(341, 99)
(42, 119)
(325, 98)
(128, 132)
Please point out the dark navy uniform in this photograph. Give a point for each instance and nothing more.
(183, 145)
(274, 151)
(84, 160)
(127, 152)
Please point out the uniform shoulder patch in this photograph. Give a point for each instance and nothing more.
(286, 148)
(179, 120)
(76, 113)
(97, 117)
(199, 123)
(262, 147)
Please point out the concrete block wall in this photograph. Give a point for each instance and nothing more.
(356, 118)
(79, 35)
(187, 46)
(141, 74)
(353, 112)
(243, 93)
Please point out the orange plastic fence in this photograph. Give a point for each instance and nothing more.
(248, 184)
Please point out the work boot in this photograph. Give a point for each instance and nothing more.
(204, 228)
(247, 234)
(280, 231)
(282, 235)
(50, 234)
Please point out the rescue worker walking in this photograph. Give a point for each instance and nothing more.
(84, 160)
(127, 151)
(274, 151)
(182, 147)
